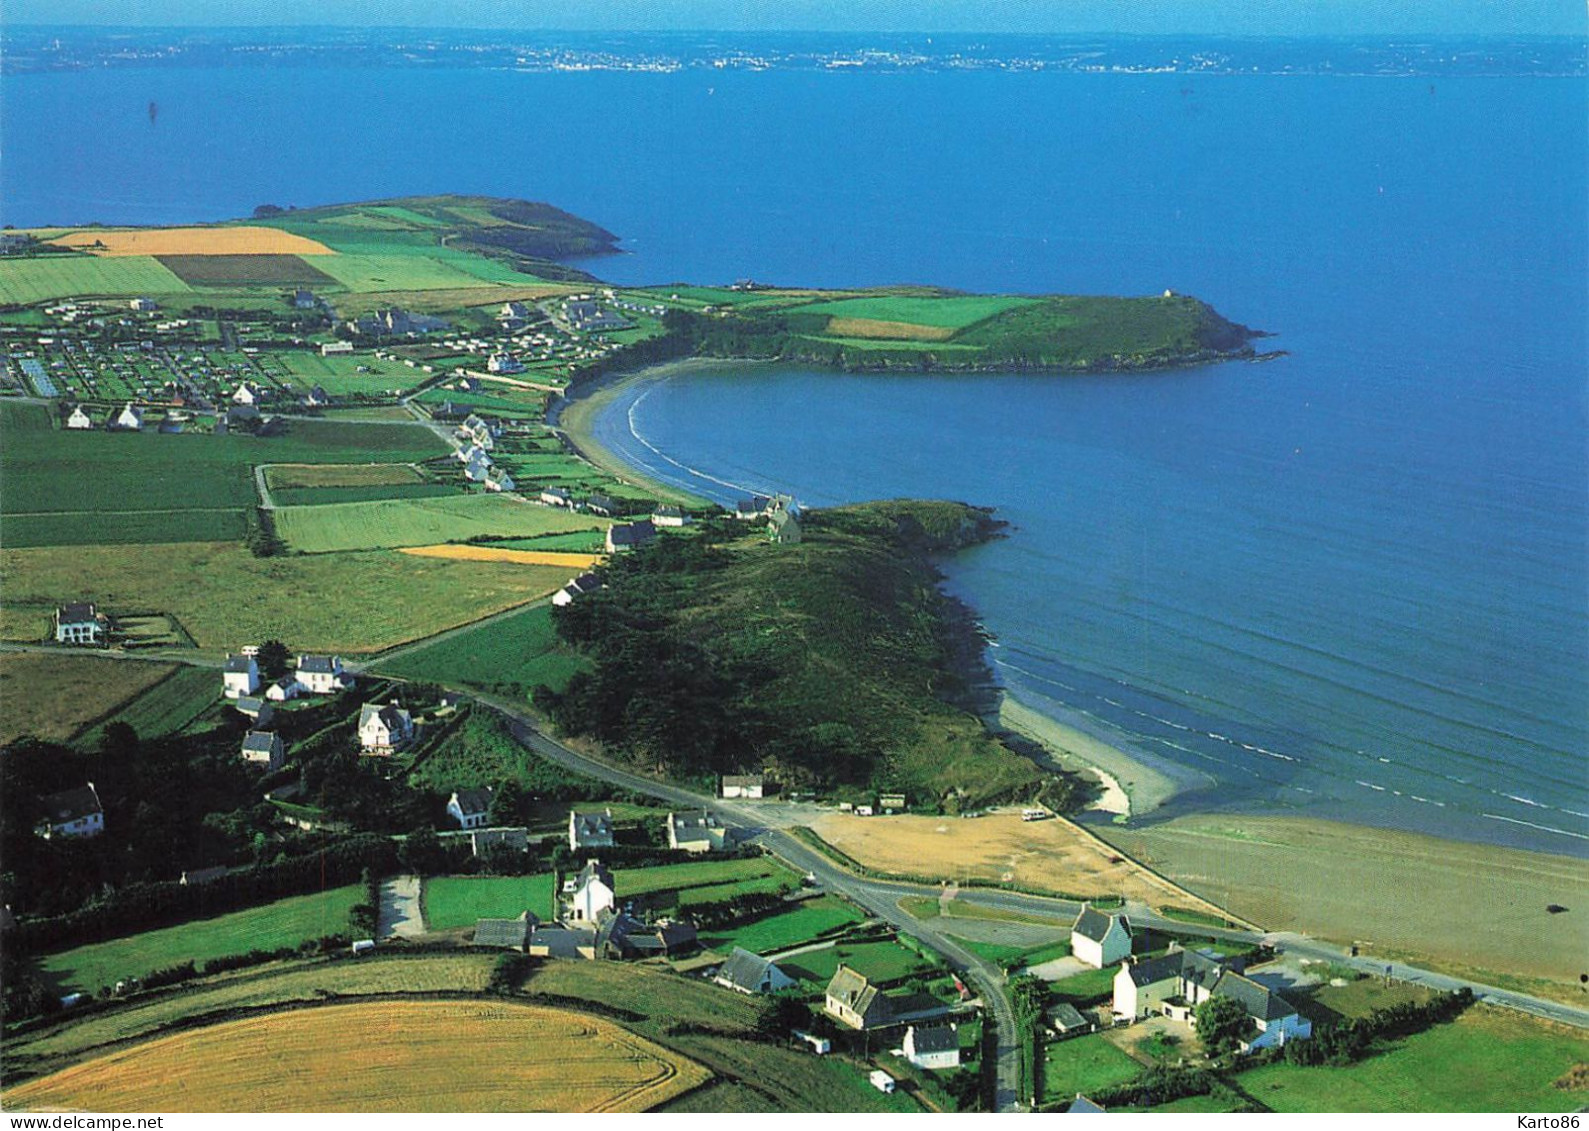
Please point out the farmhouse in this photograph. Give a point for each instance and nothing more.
(283, 690)
(316, 398)
(751, 974)
(328, 349)
(1099, 939)
(752, 508)
(578, 587)
(80, 623)
(498, 480)
(256, 708)
(593, 893)
(247, 394)
(933, 1046)
(504, 363)
(129, 419)
(601, 504)
(482, 841)
(623, 537)
(478, 469)
(264, 747)
(743, 785)
(321, 675)
(555, 497)
(514, 310)
(696, 831)
(589, 830)
(469, 807)
(622, 935)
(384, 728)
(240, 676)
(549, 941)
(512, 934)
(783, 529)
(1175, 983)
(669, 516)
(143, 303)
(852, 1000)
(79, 419)
(73, 812)
(304, 300)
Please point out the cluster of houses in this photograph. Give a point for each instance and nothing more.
(396, 323)
(1175, 983)
(473, 442)
(780, 512)
(586, 315)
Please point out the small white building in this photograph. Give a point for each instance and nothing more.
(143, 303)
(72, 812)
(1099, 939)
(593, 893)
(555, 497)
(240, 676)
(498, 479)
(321, 675)
(384, 728)
(246, 394)
(327, 349)
(742, 785)
(470, 807)
(933, 1046)
(882, 1081)
(79, 419)
(265, 748)
(751, 974)
(577, 587)
(504, 363)
(283, 690)
(669, 516)
(129, 419)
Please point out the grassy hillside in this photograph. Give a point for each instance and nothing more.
(833, 661)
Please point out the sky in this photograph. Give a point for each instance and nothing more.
(1172, 17)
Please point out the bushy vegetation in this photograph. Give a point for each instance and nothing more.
(833, 662)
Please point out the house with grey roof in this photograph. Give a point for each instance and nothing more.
(239, 676)
(626, 936)
(601, 504)
(932, 1046)
(1065, 1020)
(755, 507)
(576, 588)
(589, 830)
(470, 807)
(72, 812)
(623, 537)
(552, 940)
(696, 831)
(670, 516)
(80, 623)
(256, 708)
(752, 786)
(1177, 982)
(751, 974)
(510, 934)
(321, 675)
(783, 529)
(264, 748)
(509, 839)
(384, 728)
(1098, 938)
(556, 497)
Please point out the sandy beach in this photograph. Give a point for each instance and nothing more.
(1130, 786)
(576, 416)
(1475, 909)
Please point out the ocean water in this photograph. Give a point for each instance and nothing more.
(1353, 582)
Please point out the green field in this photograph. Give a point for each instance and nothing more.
(787, 928)
(509, 656)
(47, 472)
(509, 402)
(420, 522)
(325, 496)
(1486, 1060)
(168, 706)
(287, 922)
(85, 528)
(1086, 988)
(703, 874)
(950, 311)
(483, 752)
(883, 961)
(578, 542)
(460, 901)
(339, 374)
(67, 276)
(426, 270)
(1083, 1065)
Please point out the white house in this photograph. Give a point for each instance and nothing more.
(504, 363)
(79, 419)
(239, 677)
(696, 831)
(577, 587)
(593, 893)
(143, 303)
(327, 349)
(283, 690)
(129, 419)
(751, 974)
(742, 785)
(79, 623)
(263, 747)
(498, 480)
(881, 1080)
(384, 728)
(1100, 939)
(669, 516)
(321, 675)
(1176, 983)
(589, 830)
(933, 1046)
(246, 394)
(73, 812)
(469, 807)
(555, 497)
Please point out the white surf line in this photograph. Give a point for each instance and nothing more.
(660, 454)
(1532, 825)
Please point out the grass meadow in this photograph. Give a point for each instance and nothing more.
(420, 522)
(53, 697)
(226, 597)
(804, 922)
(64, 276)
(286, 922)
(509, 656)
(168, 706)
(1083, 1065)
(459, 901)
(948, 311)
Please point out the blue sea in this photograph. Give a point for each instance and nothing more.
(1351, 583)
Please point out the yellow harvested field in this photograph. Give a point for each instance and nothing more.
(1055, 855)
(460, 553)
(191, 241)
(893, 331)
(379, 1056)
